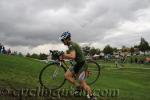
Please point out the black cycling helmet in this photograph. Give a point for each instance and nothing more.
(65, 35)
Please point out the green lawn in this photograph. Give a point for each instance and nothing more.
(132, 82)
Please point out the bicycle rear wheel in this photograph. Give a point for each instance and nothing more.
(52, 76)
(93, 72)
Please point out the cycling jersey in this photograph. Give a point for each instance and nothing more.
(80, 65)
(79, 54)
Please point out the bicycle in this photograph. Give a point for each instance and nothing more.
(52, 75)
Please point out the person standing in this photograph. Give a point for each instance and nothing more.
(0, 48)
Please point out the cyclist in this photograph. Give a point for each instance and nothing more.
(75, 53)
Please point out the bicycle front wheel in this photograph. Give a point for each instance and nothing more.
(52, 76)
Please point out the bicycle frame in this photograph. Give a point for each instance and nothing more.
(59, 63)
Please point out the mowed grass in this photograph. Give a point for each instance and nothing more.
(132, 83)
(18, 71)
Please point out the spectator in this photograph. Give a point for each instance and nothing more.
(136, 60)
(131, 60)
(3, 50)
(0, 48)
(9, 51)
(141, 61)
(147, 60)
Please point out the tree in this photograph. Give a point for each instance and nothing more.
(132, 50)
(108, 50)
(136, 46)
(28, 55)
(124, 49)
(98, 51)
(36, 56)
(143, 46)
(43, 56)
(92, 51)
(86, 50)
(20, 54)
(15, 53)
(115, 49)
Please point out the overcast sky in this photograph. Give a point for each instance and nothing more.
(35, 25)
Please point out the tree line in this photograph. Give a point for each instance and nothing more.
(143, 46)
(40, 56)
(91, 51)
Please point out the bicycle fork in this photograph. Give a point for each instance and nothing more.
(54, 75)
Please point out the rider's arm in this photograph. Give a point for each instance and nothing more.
(71, 55)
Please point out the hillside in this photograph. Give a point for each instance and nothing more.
(132, 81)
(18, 71)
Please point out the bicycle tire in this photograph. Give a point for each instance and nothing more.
(98, 69)
(42, 72)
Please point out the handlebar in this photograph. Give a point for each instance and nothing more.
(56, 54)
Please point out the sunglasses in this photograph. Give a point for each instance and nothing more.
(62, 40)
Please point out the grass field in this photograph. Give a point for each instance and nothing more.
(132, 81)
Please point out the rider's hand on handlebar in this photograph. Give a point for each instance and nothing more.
(61, 57)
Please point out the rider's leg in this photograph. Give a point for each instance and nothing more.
(84, 84)
(69, 76)
(86, 87)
